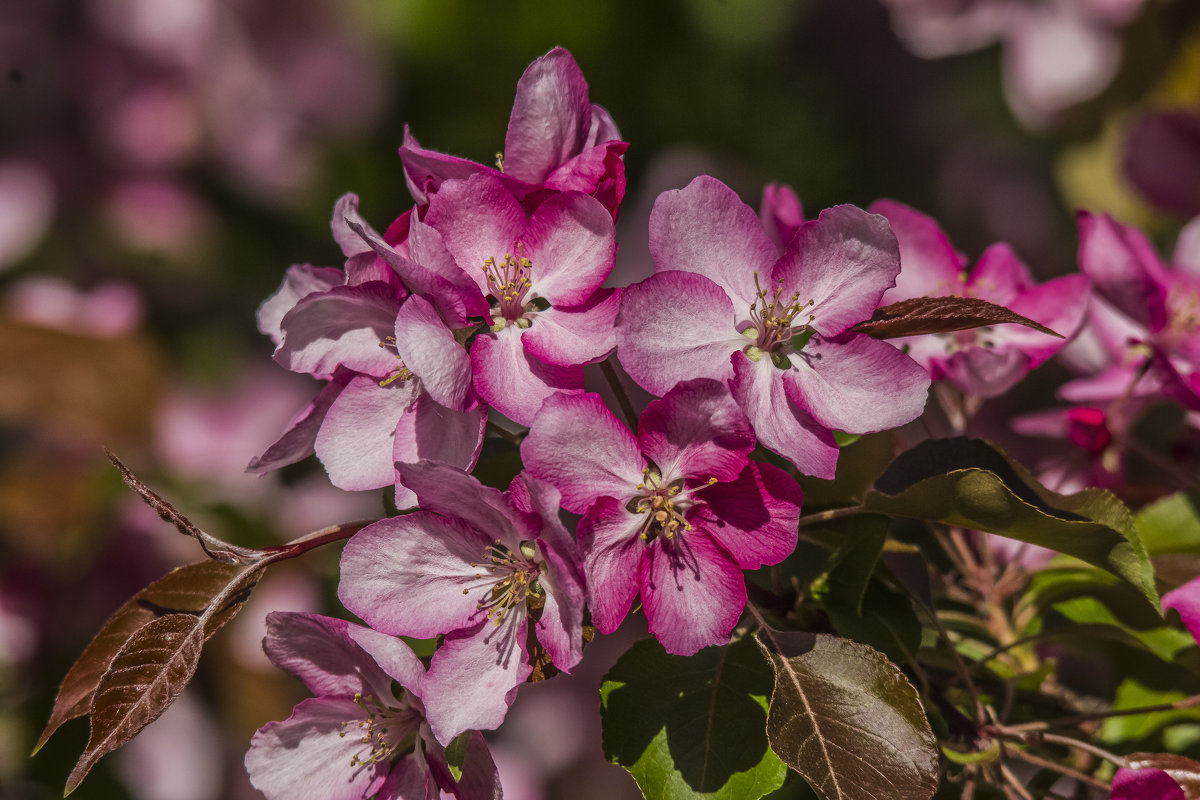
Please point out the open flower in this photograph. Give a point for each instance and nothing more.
(541, 274)
(480, 566)
(357, 738)
(557, 141)
(675, 513)
(724, 304)
(988, 361)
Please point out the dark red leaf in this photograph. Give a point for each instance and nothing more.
(920, 315)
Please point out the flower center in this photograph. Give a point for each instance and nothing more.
(663, 505)
(402, 373)
(384, 731)
(511, 578)
(1183, 305)
(508, 285)
(773, 325)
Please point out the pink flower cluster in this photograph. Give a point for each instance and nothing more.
(486, 300)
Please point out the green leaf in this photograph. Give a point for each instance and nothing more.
(886, 622)
(1133, 728)
(1171, 525)
(847, 719)
(691, 727)
(970, 484)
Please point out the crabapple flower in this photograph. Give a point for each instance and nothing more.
(557, 141)
(1143, 333)
(399, 381)
(541, 273)
(480, 566)
(357, 738)
(1145, 784)
(724, 304)
(988, 361)
(674, 513)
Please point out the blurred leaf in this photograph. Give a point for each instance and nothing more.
(691, 727)
(886, 622)
(856, 558)
(153, 665)
(1171, 525)
(1185, 771)
(847, 719)
(922, 315)
(1133, 728)
(969, 483)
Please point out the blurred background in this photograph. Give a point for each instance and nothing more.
(162, 162)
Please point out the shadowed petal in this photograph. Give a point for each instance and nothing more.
(550, 118)
(697, 430)
(429, 349)
(692, 591)
(930, 265)
(355, 442)
(579, 335)
(340, 327)
(755, 517)
(299, 282)
(612, 550)
(513, 380)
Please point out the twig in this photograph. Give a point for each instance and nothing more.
(614, 381)
(1046, 763)
(1076, 719)
(831, 514)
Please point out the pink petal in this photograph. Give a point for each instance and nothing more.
(427, 248)
(597, 171)
(474, 677)
(578, 446)
(1123, 268)
(983, 372)
(612, 551)
(428, 430)
(579, 335)
(1145, 784)
(297, 443)
(697, 430)
(692, 591)
(570, 240)
(345, 236)
(409, 780)
(843, 261)
(781, 214)
(319, 651)
(930, 265)
(426, 170)
(755, 517)
(550, 118)
(1186, 600)
(857, 384)
(416, 575)
(299, 282)
(705, 228)
(355, 440)
(451, 492)
(309, 754)
(478, 219)
(1059, 304)
(428, 348)
(675, 326)
(340, 327)
(999, 276)
(513, 380)
(778, 423)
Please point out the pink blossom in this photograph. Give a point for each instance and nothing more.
(557, 140)
(1145, 784)
(474, 563)
(399, 381)
(541, 273)
(1142, 338)
(987, 361)
(357, 738)
(1057, 53)
(724, 304)
(675, 513)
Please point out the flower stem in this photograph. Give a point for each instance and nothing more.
(1076, 719)
(614, 381)
(831, 514)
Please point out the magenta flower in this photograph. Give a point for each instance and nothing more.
(557, 140)
(542, 276)
(399, 380)
(1145, 784)
(357, 738)
(1143, 333)
(724, 305)
(480, 566)
(988, 361)
(675, 513)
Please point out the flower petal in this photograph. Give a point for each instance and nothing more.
(579, 335)
(857, 384)
(297, 443)
(340, 327)
(355, 442)
(451, 492)
(430, 431)
(612, 551)
(675, 326)
(478, 219)
(514, 381)
(754, 518)
(843, 262)
(299, 282)
(428, 348)
(415, 575)
(930, 265)
(692, 591)
(1145, 784)
(550, 118)
(778, 423)
(319, 651)
(697, 430)
(578, 446)
(705, 228)
(571, 242)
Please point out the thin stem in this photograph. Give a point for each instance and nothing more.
(313, 540)
(1046, 763)
(515, 438)
(831, 514)
(1011, 781)
(1034, 737)
(1076, 719)
(614, 381)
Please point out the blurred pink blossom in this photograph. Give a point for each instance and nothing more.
(110, 309)
(27, 204)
